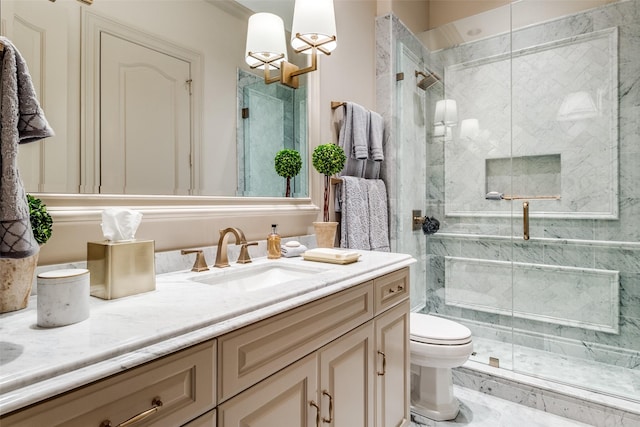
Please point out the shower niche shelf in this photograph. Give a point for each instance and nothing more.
(525, 177)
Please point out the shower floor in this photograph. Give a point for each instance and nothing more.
(602, 378)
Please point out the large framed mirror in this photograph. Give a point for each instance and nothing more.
(67, 171)
(144, 98)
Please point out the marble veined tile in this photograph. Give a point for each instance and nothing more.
(554, 366)
(535, 291)
(482, 410)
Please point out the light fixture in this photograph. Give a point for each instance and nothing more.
(313, 33)
(577, 106)
(469, 128)
(442, 131)
(446, 113)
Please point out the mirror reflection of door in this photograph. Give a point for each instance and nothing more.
(145, 100)
(41, 34)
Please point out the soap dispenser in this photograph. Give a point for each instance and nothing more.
(273, 243)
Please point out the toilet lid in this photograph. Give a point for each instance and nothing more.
(430, 329)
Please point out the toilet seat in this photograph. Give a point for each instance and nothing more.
(428, 329)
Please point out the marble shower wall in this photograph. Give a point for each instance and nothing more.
(553, 108)
(607, 244)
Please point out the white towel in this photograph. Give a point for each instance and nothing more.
(378, 215)
(21, 121)
(289, 252)
(354, 228)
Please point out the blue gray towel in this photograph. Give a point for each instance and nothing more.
(365, 216)
(21, 121)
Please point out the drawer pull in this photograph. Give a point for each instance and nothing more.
(330, 420)
(400, 288)
(315, 405)
(157, 403)
(384, 364)
(391, 290)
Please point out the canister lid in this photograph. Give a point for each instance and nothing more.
(63, 273)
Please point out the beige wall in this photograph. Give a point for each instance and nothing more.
(444, 11)
(414, 14)
(349, 73)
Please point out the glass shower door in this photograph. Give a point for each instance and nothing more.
(535, 182)
(575, 162)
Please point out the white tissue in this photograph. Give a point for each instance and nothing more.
(120, 224)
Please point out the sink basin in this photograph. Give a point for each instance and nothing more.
(256, 277)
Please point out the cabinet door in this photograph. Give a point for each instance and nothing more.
(183, 382)
(346, 379)
(393, 367)
(206, 420)
(285, 399)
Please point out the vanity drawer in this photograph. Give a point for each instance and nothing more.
(184, 382)
(391, 289)
(251, 354)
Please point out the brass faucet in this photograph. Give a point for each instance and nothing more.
(200, 263)
(222, 260)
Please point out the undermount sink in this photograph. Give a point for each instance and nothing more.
(256, 277)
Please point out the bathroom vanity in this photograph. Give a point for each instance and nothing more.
(327, 348)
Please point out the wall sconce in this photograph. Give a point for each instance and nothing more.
(577, 106)
(313, 33)
(446, 113)
(469, 128)
(442, 131)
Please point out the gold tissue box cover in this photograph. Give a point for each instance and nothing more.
(120, 269)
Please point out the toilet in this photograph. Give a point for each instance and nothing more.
(437, 345)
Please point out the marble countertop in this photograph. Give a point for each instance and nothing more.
(37, 363)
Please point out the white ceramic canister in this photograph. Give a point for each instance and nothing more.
(63, 297)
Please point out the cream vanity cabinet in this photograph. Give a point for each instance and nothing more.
(339, 361)
(167, 392)
(342, 360)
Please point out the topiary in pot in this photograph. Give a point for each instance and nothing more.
(288, 164)
(17, 274)
(41, 221)
(328, 159)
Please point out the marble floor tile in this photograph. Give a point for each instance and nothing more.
(481, 410)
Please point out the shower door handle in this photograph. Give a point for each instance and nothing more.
(525, 220)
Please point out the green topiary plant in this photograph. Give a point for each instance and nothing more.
(328, 159)
(41, 221)
(288, 164)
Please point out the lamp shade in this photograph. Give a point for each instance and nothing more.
(469, 128)
(446, 112)
(265, 41)
(314, 20)
(577, 106)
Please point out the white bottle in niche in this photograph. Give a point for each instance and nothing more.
(63, 297)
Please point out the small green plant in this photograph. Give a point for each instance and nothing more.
(288, 164)
(328, 159)
(41, 221)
